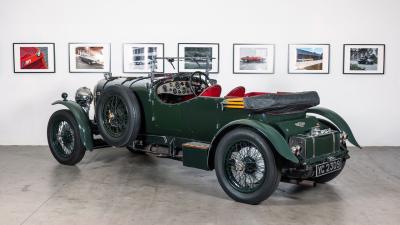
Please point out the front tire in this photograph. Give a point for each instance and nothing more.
(63, 138)
(245, 166)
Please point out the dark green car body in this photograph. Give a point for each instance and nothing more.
(206, 120)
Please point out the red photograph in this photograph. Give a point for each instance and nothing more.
(33, 58)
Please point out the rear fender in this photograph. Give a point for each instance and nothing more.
(336, 120)
(278, 143)
(82, 119)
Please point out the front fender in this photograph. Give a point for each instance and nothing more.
(82, 119)
(337, 120)
(270, 133)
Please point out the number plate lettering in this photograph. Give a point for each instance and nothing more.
(328, 167)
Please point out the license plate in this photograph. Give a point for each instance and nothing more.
(328, 167)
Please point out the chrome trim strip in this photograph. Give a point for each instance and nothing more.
(305, 147)
(313, 141)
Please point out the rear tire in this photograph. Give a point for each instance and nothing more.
(63, 138)
(118, 116)
(245, 166)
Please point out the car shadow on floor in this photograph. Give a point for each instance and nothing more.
(301, 194)
(159, 172)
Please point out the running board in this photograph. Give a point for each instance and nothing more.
(195, 154)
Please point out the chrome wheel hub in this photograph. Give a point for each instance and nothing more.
(245, 167)
(65, 137)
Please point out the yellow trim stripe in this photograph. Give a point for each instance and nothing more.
(235, 103)
(234, 99)
(234, 106)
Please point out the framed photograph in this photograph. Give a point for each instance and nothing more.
(140, 57)
(210, 50)
(89, 58)
(364, 59)
(309, 58)
(34, 58)
(253, 58)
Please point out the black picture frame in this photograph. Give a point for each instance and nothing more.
(35, 43)
(328, 63)
(123, 56)
(205, 44)
(251, 44)
(377, 73)
(88, 43)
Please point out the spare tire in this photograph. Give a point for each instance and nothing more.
(118, 116)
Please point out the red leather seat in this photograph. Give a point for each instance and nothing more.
(237, 92)
(212, 91)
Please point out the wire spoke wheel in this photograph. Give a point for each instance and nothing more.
(115, 116)
(118, 115)
(245, 166)
(63, 138)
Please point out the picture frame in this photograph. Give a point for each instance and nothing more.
(364, 59)
(198, 50)
(253, 58)
(308, 58)
(34, 58)
(89, 57)
(137, 57)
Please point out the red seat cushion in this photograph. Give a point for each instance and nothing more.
(236, 92)
(212, 91)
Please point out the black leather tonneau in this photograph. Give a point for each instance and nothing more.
(282, 103)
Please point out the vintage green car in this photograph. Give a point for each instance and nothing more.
(252, 140)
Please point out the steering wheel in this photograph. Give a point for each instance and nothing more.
(197, 84)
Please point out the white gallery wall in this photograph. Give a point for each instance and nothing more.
(370, 103)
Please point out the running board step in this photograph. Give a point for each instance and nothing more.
(196, 145)
(195, 154)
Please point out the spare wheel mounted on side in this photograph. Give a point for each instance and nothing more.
(118, 115)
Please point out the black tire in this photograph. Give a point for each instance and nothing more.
(224, 168)
(330, 176)
(63, 138)
(129, 111)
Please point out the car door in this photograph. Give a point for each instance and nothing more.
(166, 118)
(200, 116)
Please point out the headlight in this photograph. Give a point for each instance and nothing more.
(343, 136)
(84, 98)
(296, 149)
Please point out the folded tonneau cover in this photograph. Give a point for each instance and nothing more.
(283, 102)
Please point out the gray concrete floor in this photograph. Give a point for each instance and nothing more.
(114, 186)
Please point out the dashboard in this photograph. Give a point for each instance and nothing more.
(179, 88)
